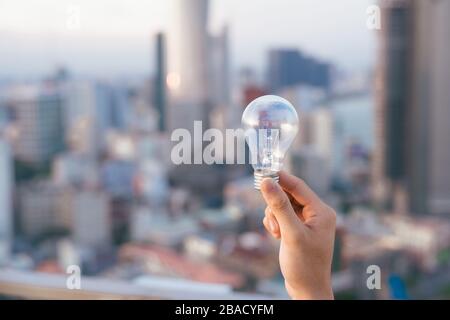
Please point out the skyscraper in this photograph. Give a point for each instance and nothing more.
(86, 215)
(219, 69)
(159, 87)
(288, 67)
(391, 95)
(39, 115)
(189, 88)
(428, 124)
(92, 109)
(38, 207)
(6, 223)
(188, 63)
(413, 107)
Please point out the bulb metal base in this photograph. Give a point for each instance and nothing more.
(260, 176)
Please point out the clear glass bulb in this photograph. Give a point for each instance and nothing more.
(271, 124)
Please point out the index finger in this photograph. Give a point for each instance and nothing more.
(299, 190)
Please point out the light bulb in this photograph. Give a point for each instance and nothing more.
(271, 124)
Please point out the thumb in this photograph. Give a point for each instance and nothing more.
(281, 207)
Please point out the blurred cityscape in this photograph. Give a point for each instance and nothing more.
(86, 177)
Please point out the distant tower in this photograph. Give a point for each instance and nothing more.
(39, 113)
(391, 99)
(220, 69)
(428, 150)
(189, 90)
(413, 107)
(92, 109)
(6, 223)
(188, 62)
(159, 92)
(290, 67)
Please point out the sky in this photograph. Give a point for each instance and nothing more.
(114, 37)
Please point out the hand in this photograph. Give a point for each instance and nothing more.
(306, 227)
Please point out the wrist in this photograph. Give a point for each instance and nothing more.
(326, 294)
(318, 292)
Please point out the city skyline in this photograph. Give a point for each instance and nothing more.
(124, 33)
(120, 152)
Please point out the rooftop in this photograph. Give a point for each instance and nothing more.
(38, 285)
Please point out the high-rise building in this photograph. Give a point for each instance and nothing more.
(38, 208)
(413, 107)
(189, 89)
(159, 87)
(289, 67)
(47, 207)
(318, 132)
(74, 169)
(313, 149)
(220, 69)
(39, 115)
(93, 108)
(313, 167)
(188, 63)
(6, 223)
(86, 214)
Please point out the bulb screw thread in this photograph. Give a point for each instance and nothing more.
(259, 177)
